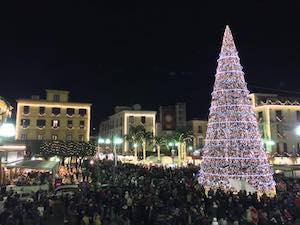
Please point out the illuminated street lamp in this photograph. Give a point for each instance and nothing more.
(116, 141)
(101, 141)
(7, 130)
(107, 141)
(297, 130)
(135, 145)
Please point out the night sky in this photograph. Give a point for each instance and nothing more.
(152, 54)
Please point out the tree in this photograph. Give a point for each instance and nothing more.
(139, 135)
(158, 142)
(67, 149)
(233, 148)
(182, 136)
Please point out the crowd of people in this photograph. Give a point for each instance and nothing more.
(32, 178)
(130, 194)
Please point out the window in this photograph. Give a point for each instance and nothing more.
(285, 148)
(279, 116)
(277, 147)
(41, 123)
(55, 123)
(25, 123)
(260, 116)
(56, 98)
(54, 137)
(298, 115)
(70, 123)
(42, 110)
(69, 137)
(26, 109)
(82, 112)
(201, 144)
(70, 111)
(81, 124)
(143, 119)
(80, 137)
(131, 119)
(40, 137)
(23, 137)
(200, 130)
(55, 111)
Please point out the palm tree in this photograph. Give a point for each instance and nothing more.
(183, 136)
(135, 135)
(157, 142)
(139, 135)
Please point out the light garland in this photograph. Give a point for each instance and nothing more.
(237, 175)
(233, 146)
(234, 158)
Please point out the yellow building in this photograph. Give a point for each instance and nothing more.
(199, 131)
(5, 110)
(53, 118)
(278, 119)
(119, 123)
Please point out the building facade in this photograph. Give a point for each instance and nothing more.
(171, 118)
(199, 130)
(53, 118)
(125, 117)
(278, 119)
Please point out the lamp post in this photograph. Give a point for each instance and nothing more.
(116, 141)
(135, 145)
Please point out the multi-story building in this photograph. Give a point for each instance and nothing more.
(5, 110)
(278, 119)
(171, 117)
(199, 131)
(125, 117)
(53, 118)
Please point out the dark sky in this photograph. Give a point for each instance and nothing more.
(147, 53)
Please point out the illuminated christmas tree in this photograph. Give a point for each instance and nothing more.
(233, 148)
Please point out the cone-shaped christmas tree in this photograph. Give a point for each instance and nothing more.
(233, 149)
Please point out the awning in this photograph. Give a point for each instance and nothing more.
(33, 164)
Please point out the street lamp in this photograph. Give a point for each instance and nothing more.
(297, 130)
(7, 130)
(107, 141)
(116, 141)
(101, 141)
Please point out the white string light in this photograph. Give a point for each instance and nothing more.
(233, 146)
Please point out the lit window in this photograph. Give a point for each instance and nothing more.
(23, 137)
(40, 137)
(42, 110)
(131, 119)
(55, 111)
(54, 137)
(55, 123)
(41, 123)
(81, 124)
(56, 98)
(26, 109)
(25, 123)
(82, 112)
(70, 124)
(143, 119)
(69, 137)
(70, 111)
